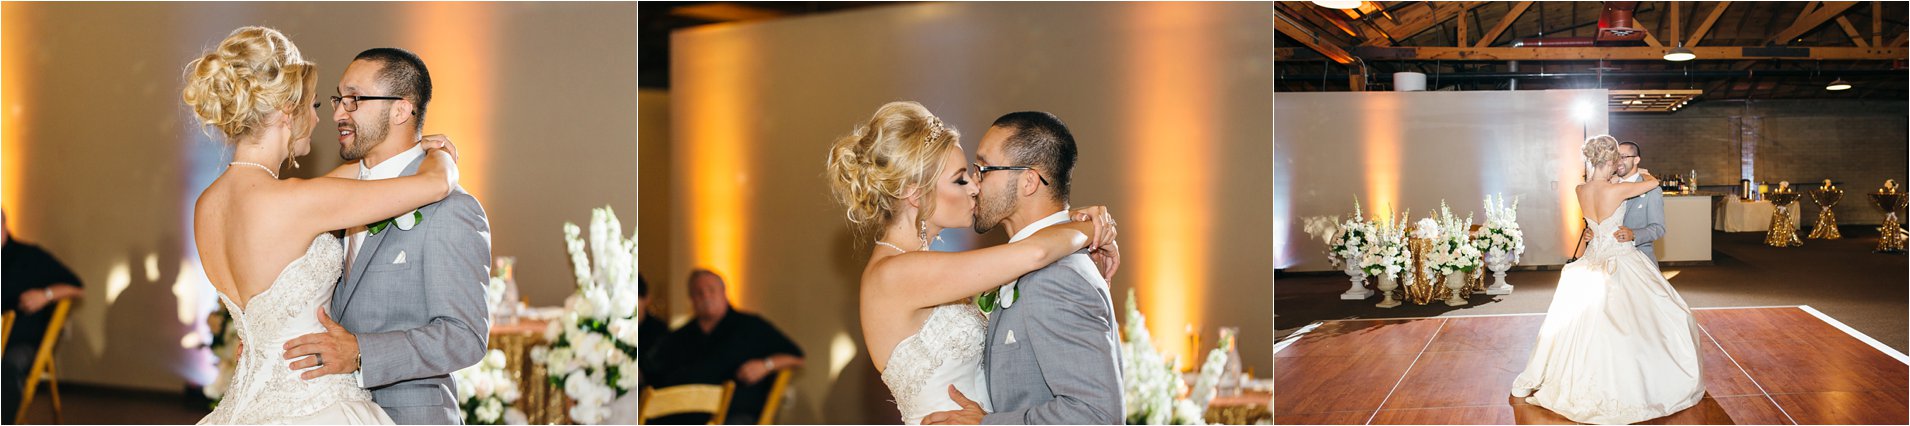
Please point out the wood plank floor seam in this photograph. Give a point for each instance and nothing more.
(1409, 370)
(1747, 373)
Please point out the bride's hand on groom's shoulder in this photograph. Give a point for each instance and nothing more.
(1104, 225)
(1107, 259)
(440, 142)
(970, 414)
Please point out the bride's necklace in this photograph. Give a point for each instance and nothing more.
(275, 175)
(886, 244)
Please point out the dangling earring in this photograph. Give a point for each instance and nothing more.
(923, 233)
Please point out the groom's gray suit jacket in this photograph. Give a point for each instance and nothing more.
(1063, 365)
(422, 319)
(1645, 215)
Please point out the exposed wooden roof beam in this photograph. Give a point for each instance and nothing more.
(1414, 20)
(1817, 17)
(1851, 30)
(1704, 28)
(1504, 22)
(1707, 53)
(1310, 37)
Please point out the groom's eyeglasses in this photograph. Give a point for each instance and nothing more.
(980, 169)
(350, 103)
(1627, 156)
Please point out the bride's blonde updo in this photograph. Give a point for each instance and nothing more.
(1600, 149)
(253, 72)
(898, 150)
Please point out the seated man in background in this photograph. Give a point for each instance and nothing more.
(720, 345)
(34, 281)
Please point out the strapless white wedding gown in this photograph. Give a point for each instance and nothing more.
(1618, 345)
(265, 390)
(946, 351)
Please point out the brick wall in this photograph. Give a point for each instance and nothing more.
(1858, 143)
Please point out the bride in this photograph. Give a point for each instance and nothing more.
(1618, 345)
(903, 179)
(265, 241)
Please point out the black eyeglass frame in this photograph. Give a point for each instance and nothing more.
(981, 169)
(337, 100)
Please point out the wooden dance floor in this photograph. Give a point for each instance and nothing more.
(1776, 365)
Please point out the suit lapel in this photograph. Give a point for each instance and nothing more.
(341, 299)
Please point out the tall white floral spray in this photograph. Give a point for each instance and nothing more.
(1387, 254)
(1353, 239)
(1452, 251)
(1152, 387)
(486, 393)
(593, 350)
(1501, 232)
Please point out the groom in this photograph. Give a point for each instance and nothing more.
(1645, 214)
(411, 302)
(1051, 355)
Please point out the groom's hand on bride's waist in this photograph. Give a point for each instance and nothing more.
(334, 351)
(970, 414)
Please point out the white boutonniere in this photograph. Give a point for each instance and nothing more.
(404, 222)
(1001, 298)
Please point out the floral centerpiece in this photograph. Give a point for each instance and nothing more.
(486, 393)
(593, 350)
(224, 335)
(1152, 388)
(1386, 254)
(1452, 253)
(1452, 250)
(1501, 240)
(1501, 232)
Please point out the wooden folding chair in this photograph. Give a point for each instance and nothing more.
(6, 329)
(686, 399)
(43, 365)
(775, 398)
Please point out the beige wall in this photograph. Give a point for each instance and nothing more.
(1169, 103)
(102, 162)
(1402, 151)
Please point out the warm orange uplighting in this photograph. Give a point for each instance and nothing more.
(462, 79)
(1383, 140)
(17, 30)
(1570, 173)
(1171, 118)
(711, 155)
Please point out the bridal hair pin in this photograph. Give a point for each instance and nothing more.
(935, 129)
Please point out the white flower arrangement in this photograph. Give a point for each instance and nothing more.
(1153, 391)
(224, 335)
(486, 393)
(1350, 244)
(1388, 255)
(593, 350)
(1501, 232)
(1453, 251)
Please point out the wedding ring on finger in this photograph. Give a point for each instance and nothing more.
(320, 359)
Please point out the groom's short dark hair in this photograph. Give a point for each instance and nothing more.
(1634, 148)
(1043, 142)
(404, 74)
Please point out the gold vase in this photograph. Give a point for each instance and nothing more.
(1892, 240)
(1826, 226)
(1783, 233)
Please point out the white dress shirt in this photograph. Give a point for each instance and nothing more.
(1007, 294)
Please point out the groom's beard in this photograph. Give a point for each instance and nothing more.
(362, 142)
(989, 211)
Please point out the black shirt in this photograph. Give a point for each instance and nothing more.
(23, 268)
(688, 356)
